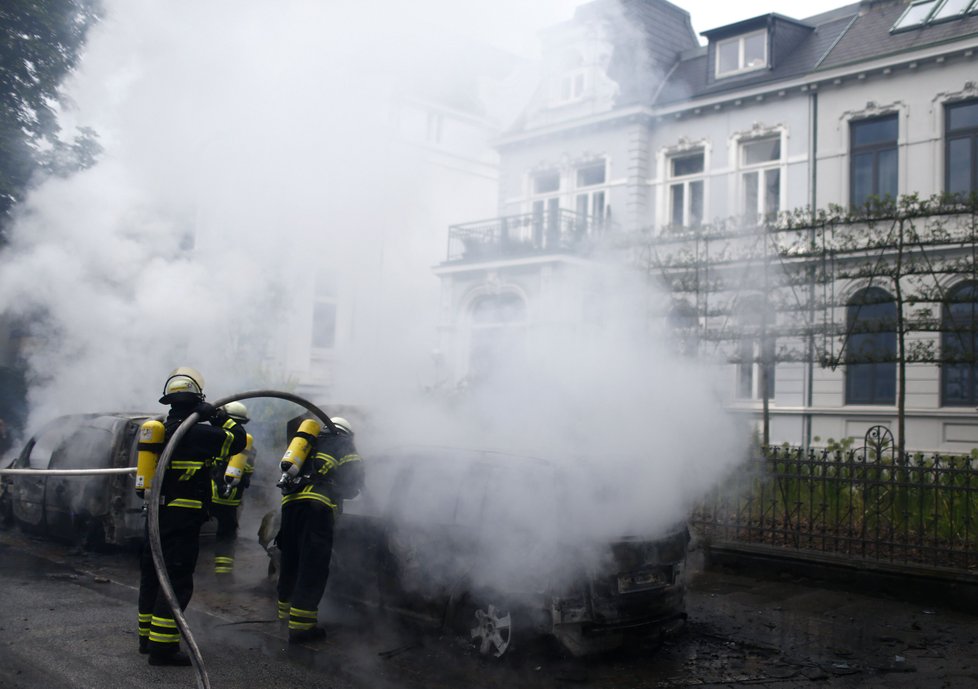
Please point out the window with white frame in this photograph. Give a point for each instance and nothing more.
(871, 347)
(686, 189)
(497, 328)
(961, 148)
(760, 162)
(953, 9)
(739, 54)
(959, 337)
(756, 351)
(873, 159)
(324, 313)
(323, 324)
(570, 82)
(571, 86)
(589, 203)
(923, 12)
(684, 326)
(546, 207)
(916, 14)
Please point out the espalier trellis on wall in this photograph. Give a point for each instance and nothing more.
(785, 282)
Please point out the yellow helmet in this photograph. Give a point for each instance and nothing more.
(183, 384)
(237, 411)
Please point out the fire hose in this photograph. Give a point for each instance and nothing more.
(153, 507)
(66, 472)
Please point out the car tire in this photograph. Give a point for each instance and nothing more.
(486, 627)
(6, 510)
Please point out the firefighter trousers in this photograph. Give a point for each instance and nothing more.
(180, 541)
(224, 540)
(306, 542)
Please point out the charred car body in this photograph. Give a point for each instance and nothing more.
(486, 543)
(92, 510)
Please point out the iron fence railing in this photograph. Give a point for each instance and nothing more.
(558, 231)
(866, 504)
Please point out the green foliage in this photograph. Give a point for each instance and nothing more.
(832, 445)
(913, 508)
(40, 42)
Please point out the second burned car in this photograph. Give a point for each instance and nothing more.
(484, 543)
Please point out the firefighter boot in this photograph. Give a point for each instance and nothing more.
(173, 658)
(298, 636)
(303, 627)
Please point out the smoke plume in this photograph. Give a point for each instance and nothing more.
(253, 152)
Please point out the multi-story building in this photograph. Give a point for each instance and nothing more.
(640, 134)
(438, 130)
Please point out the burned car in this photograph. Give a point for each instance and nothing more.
(92, 511)
(488, 544)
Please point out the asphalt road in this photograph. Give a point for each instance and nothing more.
(67, 619)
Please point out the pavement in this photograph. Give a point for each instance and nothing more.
(68, 621)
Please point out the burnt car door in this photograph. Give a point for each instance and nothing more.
(431, 533)
(516, 556)
(411, 533)
(80, 508)
(28, 492)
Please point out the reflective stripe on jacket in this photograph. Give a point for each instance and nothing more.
(332, 474)
(186, 481)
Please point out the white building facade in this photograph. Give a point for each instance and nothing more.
(639, 129)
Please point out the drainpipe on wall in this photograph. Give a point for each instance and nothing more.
(812, 201)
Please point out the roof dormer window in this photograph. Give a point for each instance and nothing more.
(924, 12)
(952, 9)
(570, 80)
(744, 53)
(915, 15)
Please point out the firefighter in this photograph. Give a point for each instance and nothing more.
(184, 496)
(311, 502)
(227, 490)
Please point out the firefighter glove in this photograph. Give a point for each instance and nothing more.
(205, 411)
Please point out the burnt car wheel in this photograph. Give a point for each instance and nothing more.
(6, 508)
(493, 631)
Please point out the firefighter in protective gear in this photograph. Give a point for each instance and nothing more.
(185, 492)
(227, 490)
(311, 502)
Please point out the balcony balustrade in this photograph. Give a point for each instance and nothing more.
(518, 236)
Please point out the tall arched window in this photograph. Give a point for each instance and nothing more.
(684, 324)
(756, 349)
(959, 344)
(870, 352)
(497, 333)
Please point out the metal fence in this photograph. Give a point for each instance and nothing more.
(865, 504)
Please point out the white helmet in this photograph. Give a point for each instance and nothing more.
(237, 411)
(342, 425)
(182, 383)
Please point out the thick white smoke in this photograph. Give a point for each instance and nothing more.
(265, 136)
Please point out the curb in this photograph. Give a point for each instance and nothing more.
(918, 583)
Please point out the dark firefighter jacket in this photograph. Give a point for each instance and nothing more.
(333, 473)
(187, 481)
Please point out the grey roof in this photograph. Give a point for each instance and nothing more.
(846, 35)
(870, 37)
(747, 24)
(658, 61)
